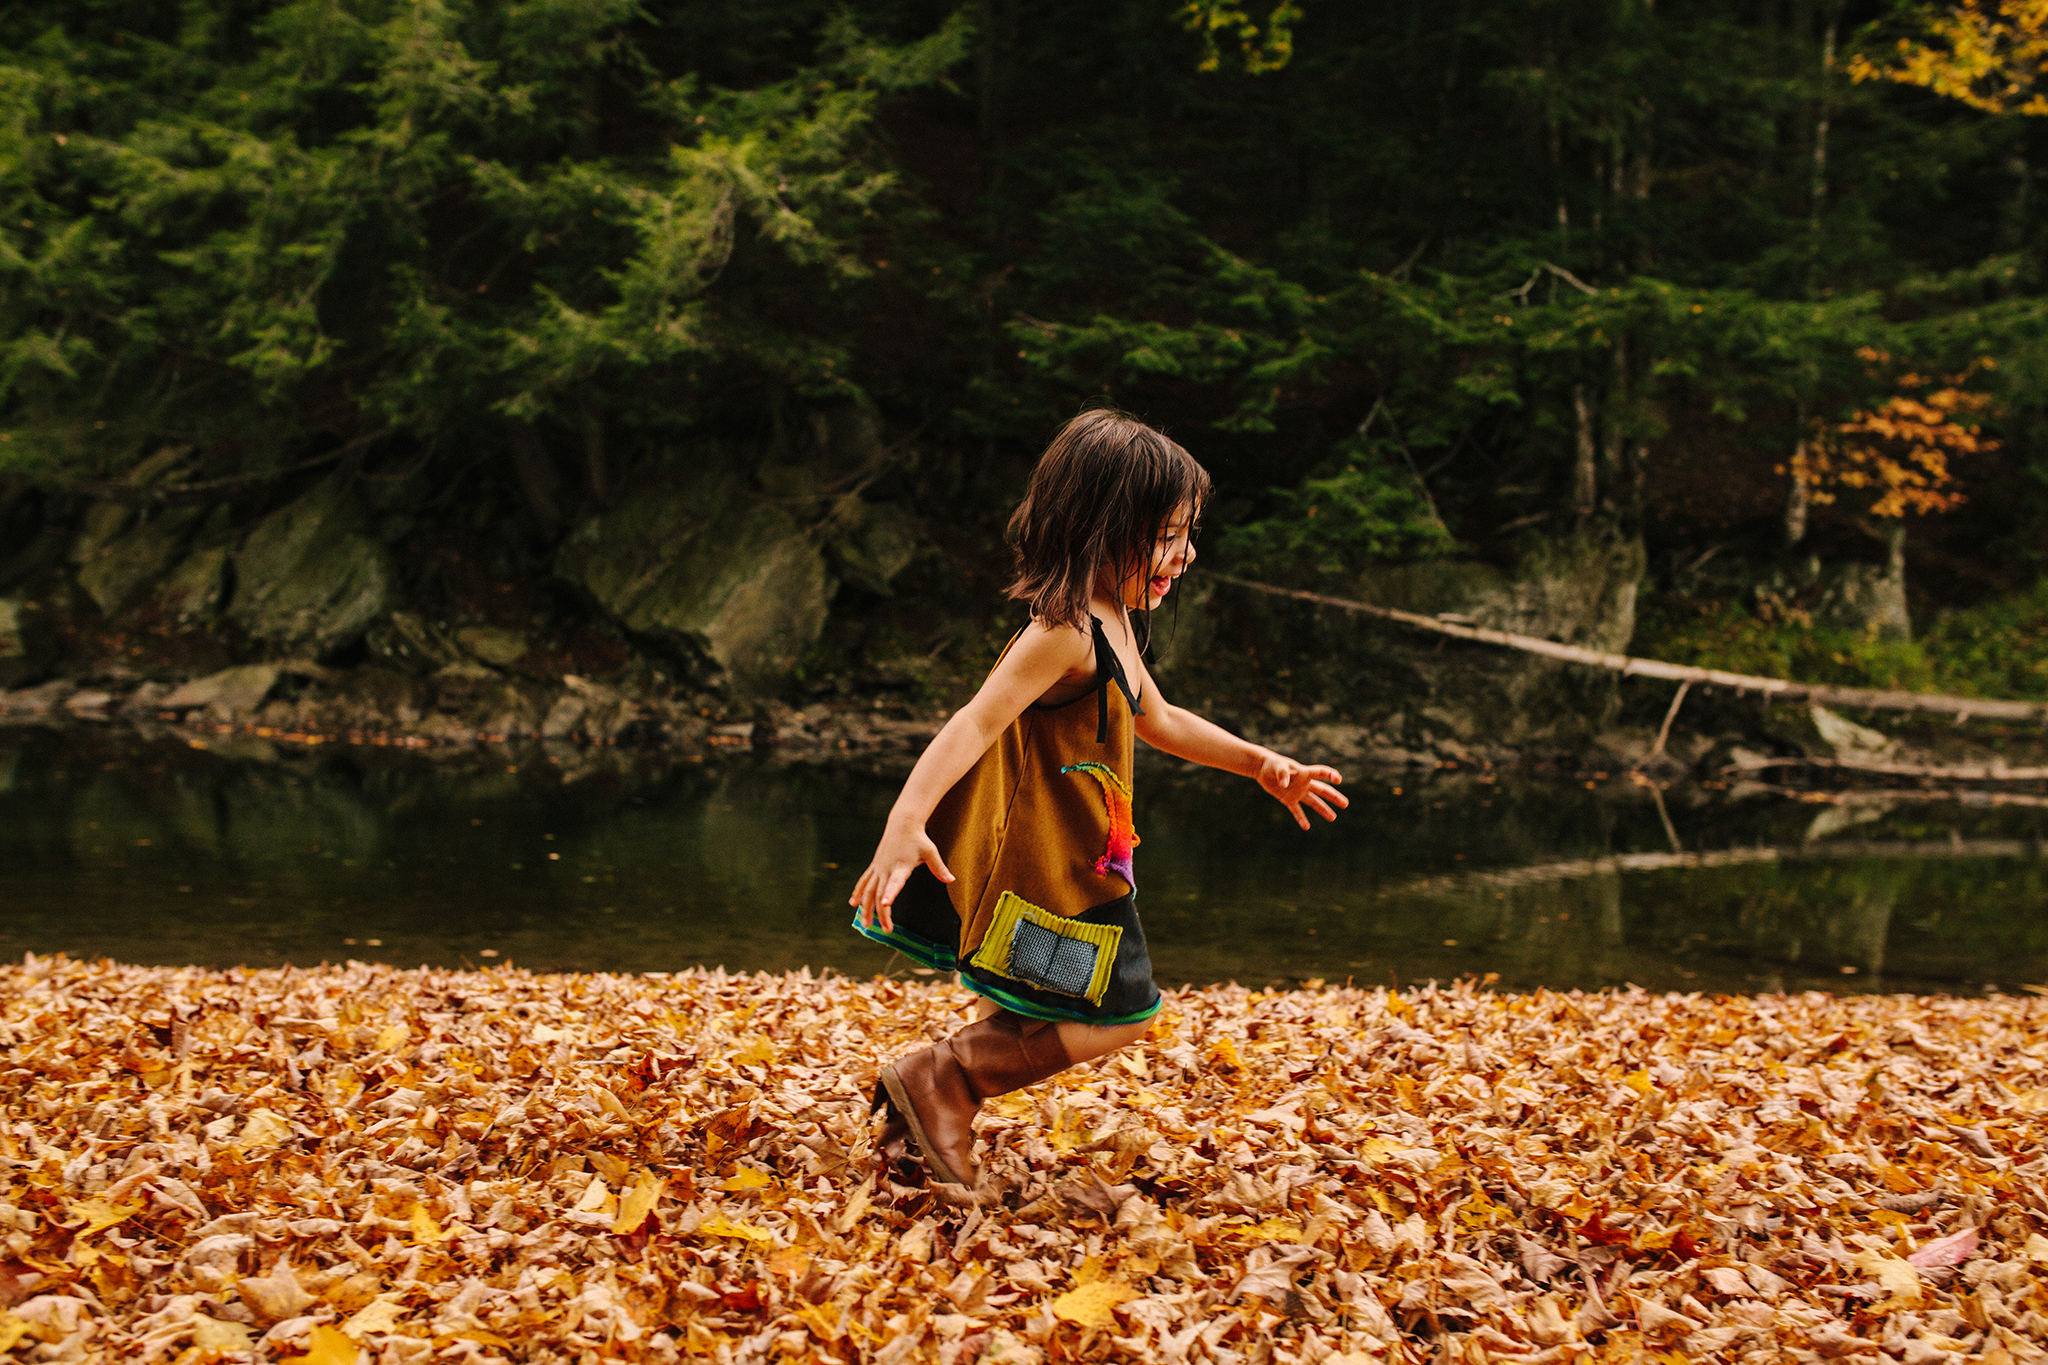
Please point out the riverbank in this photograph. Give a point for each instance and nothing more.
(497, 1166)
(260, 708)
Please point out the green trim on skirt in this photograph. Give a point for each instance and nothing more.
(927, 930)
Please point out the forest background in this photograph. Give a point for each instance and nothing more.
(1723, 324)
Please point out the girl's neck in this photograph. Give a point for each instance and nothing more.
(1109, 610)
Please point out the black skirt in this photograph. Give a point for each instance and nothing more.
(1091, 968)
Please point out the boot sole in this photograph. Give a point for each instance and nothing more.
(900, 1095)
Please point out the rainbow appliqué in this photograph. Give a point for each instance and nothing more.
(1123, 834)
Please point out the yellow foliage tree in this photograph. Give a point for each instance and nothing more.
(1991, 57)
(1899, 452)
(1264, 46)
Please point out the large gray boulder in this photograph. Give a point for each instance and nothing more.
(1867, 599)
(310, 578)
(120, 550)
(231, 694)
(27, 646)
(871, 543)
(708, 572)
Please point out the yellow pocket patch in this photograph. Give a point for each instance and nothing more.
(1031, 944)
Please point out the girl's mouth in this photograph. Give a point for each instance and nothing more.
(1160, 584)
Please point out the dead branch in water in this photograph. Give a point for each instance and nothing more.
(1773, 689)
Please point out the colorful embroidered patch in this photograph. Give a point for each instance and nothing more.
(1123, 835)
(1029, 943)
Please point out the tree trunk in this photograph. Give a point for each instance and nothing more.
(1817, 201)
(1584, 488)
(538, 479)
(1796, 501)
(2012, 232)
(1612, 442)
(594, 460)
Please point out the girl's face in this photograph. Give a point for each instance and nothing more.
(1172, 553)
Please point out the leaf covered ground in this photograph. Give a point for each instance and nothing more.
(360, 1163)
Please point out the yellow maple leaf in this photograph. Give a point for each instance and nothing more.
(1398, 1007)
(1225, 1051)
(12, 1329)
(638, 1205)
(1272, 1230)
(329, 1346)
(747, 1178)
(1093, 1304)
(392, 1035)
(212, 1339)
(425, 1231)
(475, 1334)
(379, 1315)
(1900, 1278)
(594, 1196)
(819, 1321)
(790, 1262)
(101, 1214)
(264, 1129)
(760, 1052)
(1015, 1105)
(1640, 1082)
(1069, 1132)
(725, 1227)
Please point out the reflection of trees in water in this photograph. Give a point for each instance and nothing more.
(1820, 906)
(1841, 917)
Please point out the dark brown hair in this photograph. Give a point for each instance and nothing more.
(1102, 493)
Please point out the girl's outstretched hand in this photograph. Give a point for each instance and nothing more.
(904, 845)
(1295, 785)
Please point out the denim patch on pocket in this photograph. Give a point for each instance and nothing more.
(1031, 944)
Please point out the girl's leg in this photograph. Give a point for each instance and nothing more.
(933, 1094)
(1084, 1042)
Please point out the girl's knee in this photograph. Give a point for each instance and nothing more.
(1088, 1042)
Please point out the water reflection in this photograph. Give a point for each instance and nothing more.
(603, 860)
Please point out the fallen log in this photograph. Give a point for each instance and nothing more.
(1773, 689)
(1967, 772)
(1845, 850)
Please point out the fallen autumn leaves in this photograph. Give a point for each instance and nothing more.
(359, 1162)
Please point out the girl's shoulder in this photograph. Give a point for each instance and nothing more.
(1039, 634)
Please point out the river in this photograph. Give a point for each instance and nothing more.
(152, 850)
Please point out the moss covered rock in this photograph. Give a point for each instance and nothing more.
(120, 550)
(310, 578)
(710, 574)
(27, 645)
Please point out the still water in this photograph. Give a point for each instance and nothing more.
(153, 851)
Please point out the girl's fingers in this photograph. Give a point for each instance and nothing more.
(1299, 817)
(894, 885)
(936, 862)
(1315, 803)
(1336, 798)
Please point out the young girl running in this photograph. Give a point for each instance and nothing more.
(1008, 856)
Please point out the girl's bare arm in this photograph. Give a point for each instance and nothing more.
(1040, 658)
(1182, 733)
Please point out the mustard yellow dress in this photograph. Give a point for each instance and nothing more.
(1042, 915)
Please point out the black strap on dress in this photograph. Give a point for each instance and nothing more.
(1108, 668)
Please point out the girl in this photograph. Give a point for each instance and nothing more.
(1008, 855)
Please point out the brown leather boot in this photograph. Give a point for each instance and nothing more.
(939, 1089)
